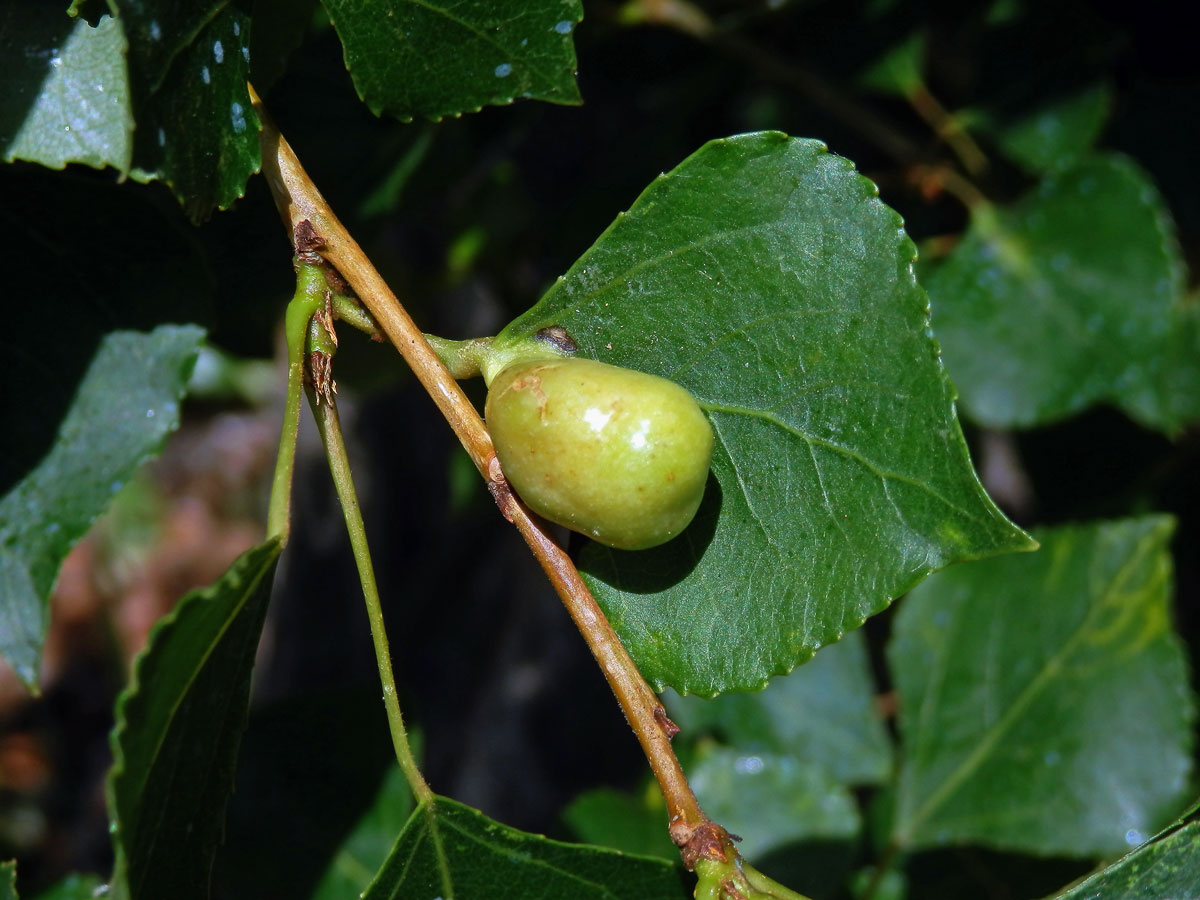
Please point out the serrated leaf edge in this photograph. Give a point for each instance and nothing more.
(379, 109)
(131, 694)
(906, 272)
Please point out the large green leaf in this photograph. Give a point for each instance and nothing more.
(823, 713)
(1068, 298)
(126, 406)
(415, 58)
(178, 727)
(1044, 699)
(450, 850)
(66, 96)
(1166, 869)
(366, 847)
(196, 130)
(765, 276)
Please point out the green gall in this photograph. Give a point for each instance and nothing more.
(615, 454)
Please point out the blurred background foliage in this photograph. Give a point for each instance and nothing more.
(470, 219)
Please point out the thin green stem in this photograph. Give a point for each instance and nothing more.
(353, 313)
(339, 466)
(309, 297)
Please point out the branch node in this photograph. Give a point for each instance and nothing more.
(669, 728)
(499, 489)
(308, 243)
(320, 368)
(494, 470)
(325, 317)
(708, 840)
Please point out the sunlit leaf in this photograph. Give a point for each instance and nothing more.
(764, 275)
(66, 98)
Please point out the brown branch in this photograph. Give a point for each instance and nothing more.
(640, 704)
(298, 200)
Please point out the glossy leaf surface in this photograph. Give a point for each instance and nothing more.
(412, 58)
(1044, 699)
(189, 64)
(124, 409)
(1070, 297)
(67, 99)
(178, 727)
(450, 850)
(764, 275)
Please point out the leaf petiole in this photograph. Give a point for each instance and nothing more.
(308, 298)
(339, 467)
